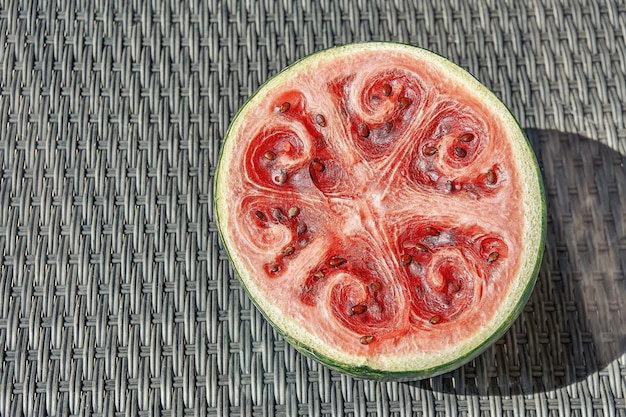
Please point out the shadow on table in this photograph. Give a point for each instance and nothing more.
(575, 322)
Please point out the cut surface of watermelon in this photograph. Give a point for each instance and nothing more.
(382, 209)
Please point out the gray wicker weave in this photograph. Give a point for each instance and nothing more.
(115, 297)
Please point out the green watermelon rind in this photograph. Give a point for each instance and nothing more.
(538, 214)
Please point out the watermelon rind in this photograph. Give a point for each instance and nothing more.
(402, 368)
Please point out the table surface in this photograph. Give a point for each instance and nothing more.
(115, 297)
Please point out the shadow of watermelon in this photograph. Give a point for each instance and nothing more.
(574, 325)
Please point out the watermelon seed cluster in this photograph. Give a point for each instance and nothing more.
(459, 150)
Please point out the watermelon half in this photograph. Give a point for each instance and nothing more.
(382, 209)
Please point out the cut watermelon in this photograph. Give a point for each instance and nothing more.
(382, 209)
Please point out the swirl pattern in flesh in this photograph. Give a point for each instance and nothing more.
(359, 206)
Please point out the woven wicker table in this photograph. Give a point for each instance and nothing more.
(115, 297)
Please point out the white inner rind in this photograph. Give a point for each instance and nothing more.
(533, 216)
